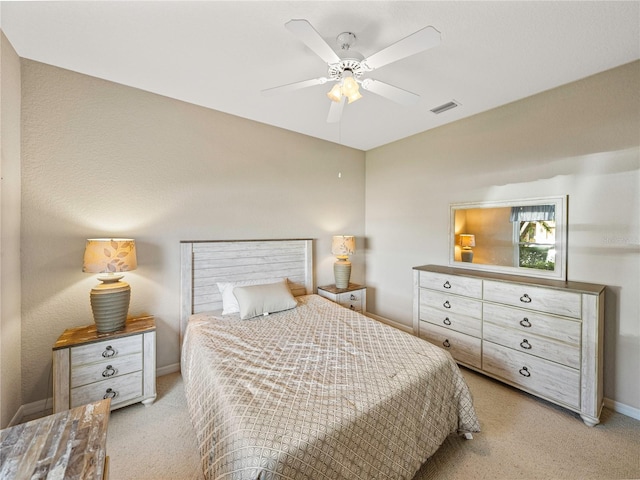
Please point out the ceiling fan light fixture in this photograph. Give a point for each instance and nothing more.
(335, 94)
(355, 95)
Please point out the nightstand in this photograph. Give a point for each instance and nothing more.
(90, 366)
(353, 297)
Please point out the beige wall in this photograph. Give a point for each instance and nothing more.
(10, 367)
(103, 159)
(582, 140)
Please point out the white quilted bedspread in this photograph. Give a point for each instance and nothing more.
(318, 392)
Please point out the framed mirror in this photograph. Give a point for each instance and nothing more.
(523, 237)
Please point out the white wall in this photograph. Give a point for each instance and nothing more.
(101, 159)
(582, 139)
(10, 367)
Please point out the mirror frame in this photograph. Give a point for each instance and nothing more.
(560, 271)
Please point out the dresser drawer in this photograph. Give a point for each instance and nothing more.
(107, 368)
(448, 303)
(108, 349)
(548, 379)
(469, 287)
(528, 321)
(464, 348)
(547, 300)
(454, 321)
(532, 344)
(120, 389)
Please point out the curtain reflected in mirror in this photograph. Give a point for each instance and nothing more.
(527, 237)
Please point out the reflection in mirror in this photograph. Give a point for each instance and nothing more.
(527, 237)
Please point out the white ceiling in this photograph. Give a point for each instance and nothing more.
(221, 54)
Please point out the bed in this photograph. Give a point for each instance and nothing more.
(315, 391)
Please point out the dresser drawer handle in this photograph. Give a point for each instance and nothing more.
(109, 371)
(353, 297)
(524, 371)
(525, 298)
(446, 304)
(525, 322)
(525, 344)
(447, 284)
(352, 307)
(110, 393)
(446, 321)
(108, 352)
(446, 343)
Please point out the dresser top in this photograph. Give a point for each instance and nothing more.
(72, 442)
(88, 334)
(501, 277)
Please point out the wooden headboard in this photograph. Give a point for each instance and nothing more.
(204, 263)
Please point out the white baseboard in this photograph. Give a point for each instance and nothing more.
(174, 367)
(397, 325)
(622, 408)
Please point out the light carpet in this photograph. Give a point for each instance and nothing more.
(522, 438)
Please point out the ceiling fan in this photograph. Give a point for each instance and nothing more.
(348, 68)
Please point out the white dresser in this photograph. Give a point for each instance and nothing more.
(542, 336)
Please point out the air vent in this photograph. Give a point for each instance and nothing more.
(445, 107)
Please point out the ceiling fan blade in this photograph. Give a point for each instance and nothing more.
(335, 111)
(394, 94)
(417, 42)
(312, 39)
(295, 86)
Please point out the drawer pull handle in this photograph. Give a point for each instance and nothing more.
(525, 322)
(108, 352)
(446, 304)
(447, 284)
(446, 343)
(446, 321)
(110, 393)
(524, 371)
(352, 307)
(525, 344)
(353, 297)
(525, 298)
(109, 371)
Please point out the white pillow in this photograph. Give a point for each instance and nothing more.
(229, 301)
(264, 299)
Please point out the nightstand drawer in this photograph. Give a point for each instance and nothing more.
(548, 379)
(106, 350)
(107, 368)
(469, 287)
(351, 300)
(534, 298)
(464, 348)
(119, 389)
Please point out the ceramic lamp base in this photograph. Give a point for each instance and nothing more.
(467, 255)
(110, 305)
(342, 273)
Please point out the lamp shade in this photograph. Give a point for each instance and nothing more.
(467, 240)
(343, 245)
(109, 255)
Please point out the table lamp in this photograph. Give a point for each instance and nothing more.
(467, 241)
(342, 246)
(110, 299)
